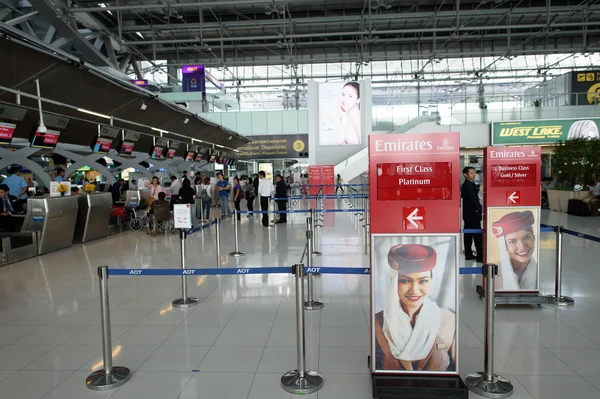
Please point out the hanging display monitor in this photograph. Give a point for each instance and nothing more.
(7, 131)
(49, 139)
(171, 153)
(512, 216)
(126, 148)
(157, 152)
(190, 156)
(415, 225)
(101, 145)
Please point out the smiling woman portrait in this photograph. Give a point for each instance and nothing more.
(516, 245)
(413, 332)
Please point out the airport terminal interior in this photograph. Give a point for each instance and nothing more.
(334, 199)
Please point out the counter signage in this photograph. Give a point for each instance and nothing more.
(512, 216)
(328, 179)
(7, 131)
(54, 188)
(315, 179)
(182, 215)
(415, 225)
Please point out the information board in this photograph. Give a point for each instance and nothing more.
(512, 216)
(182, 216)
(7, 131)
(415, 224)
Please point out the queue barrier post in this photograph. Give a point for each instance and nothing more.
(301, 381)
(366, 226)
(184, 301)
(109, 377)
(486, 383)
(236, 252)
(310, 303)
(558, 299)
(218, 240)
(315, 228)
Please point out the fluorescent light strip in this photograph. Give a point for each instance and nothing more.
(85, 111)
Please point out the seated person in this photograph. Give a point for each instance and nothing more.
(594, 200)
(161, 200)
(7, 224)
(75, 190)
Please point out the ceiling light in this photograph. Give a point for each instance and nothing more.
(230, 138)
(104, 6)
(144, 106)
(93, 113)
(140, 35)
(186, 120)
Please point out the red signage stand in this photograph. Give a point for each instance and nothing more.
(511, 220)
(415, 229)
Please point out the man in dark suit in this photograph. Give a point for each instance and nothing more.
(281, 192)
(472, 213)
(6, 210)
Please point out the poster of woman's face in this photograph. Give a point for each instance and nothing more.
(512, 245)
(414, 303)
(339, 113)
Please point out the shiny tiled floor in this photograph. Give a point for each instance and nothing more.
(240, 339)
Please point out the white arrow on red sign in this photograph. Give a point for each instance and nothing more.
(414, 216)
(513, 197)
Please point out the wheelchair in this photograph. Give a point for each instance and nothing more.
(161, 219)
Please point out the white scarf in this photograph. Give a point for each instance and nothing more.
(510, 280)
(408, 343)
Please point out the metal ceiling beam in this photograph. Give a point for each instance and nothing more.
(350, 18)
(64, 29)
(359, 33)
(206, 4)
(21, 19)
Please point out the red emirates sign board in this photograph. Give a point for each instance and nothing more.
(417, 183)
(512, 176)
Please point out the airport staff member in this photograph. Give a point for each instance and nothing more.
(472, 213)
(60, 175)
(17, 186)
(265, 188)
(6, 210)
(413, 332)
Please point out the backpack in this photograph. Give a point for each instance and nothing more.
(241, 193)
(204, 194)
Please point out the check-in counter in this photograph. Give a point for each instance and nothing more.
(53, 219)
(93, 216)
(137, 198)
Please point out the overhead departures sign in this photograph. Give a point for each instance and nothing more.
(543, 131)
(275, 147)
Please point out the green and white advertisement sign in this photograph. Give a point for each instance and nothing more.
(543, 131)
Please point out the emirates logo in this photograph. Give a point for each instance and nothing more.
(445, 143)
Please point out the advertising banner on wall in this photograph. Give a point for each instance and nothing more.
(414, 194)
(277, 146)
(585, 86)
(339, 114)
(544, 131)
(266, 167)
(512, 216)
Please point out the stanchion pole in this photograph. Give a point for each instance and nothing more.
(311, 303)
(301, 381)
(109, 376)
(184, 301)
(365, 226)
(236, 253)
(218, 233)
(486, 383)
(315, 233)
(558, 299)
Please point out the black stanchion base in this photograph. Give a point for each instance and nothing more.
(516, 298)
(421, 387)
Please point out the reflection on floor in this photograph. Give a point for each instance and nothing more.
(241, 338)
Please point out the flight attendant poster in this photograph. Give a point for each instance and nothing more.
(512, 244)
(415, 304)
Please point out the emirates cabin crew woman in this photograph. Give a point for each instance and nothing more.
(413, 332)
(516, 242)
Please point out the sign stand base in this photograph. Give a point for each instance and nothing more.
(516, 298)
(418, 386)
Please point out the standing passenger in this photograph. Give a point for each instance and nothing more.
(265, 188)
(472, 212)
(281, 192)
